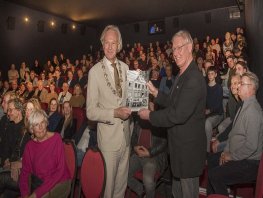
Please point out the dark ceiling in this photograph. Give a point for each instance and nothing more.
(94, 12)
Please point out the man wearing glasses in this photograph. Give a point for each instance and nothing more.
(240, 160)
(184, 118)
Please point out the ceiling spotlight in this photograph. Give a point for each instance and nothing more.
(52, 23)
(73, 27)
(26, 19)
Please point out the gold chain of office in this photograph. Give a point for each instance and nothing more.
(114, 91)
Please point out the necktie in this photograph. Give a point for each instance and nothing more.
(117, 80)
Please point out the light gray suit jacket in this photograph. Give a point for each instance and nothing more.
(101, 102)
(245, 140)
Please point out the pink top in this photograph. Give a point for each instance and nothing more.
(45, 160)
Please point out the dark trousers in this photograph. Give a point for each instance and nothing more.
(8, 187)
(185, 187)
(232, 172)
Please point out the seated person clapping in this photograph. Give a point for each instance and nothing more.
(44, 160)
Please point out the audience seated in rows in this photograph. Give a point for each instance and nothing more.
(228, 58)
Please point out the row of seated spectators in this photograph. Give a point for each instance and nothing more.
(16, 131)
(63, 77)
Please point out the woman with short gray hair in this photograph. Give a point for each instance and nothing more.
(44, 159)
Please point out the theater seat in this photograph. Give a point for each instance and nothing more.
(44, 106)
(92, 174)
(259, 183)
(71, 158)
(80, 115)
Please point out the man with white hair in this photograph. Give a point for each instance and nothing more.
(184, 118)
(106, 104)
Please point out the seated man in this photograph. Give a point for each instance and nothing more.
(240, 160)
(12, 130)
(64, 95)
(214, 104)
(12, 135)
(148, 158)
(40, 91)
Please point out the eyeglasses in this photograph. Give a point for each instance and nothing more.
(243, 84)
(179, 49)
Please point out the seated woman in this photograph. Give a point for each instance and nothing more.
(67, 125)
(9, 178)
(77, 100)
(52, 93)
(44, 159)
(54, 116)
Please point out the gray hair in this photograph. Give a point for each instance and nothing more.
(17, 104)
(36, 117)
(253, 78)
(185, 35)
(11, 94)
(113, 28)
